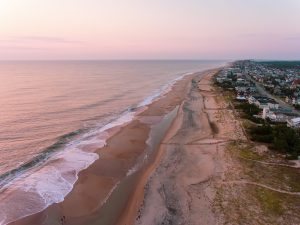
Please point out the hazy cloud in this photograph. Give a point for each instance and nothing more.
(44, 39)
(12, 47)
(293, 38)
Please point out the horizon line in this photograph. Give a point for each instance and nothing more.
(150, 59)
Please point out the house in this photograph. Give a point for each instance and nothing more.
(279, 117)
(263, 102)
(241, 89)
(294, 123)
(296, 83)
(275, 116)
(283, 110)
(272, 104)
(241, 98)
(252, 99)
(296, 101)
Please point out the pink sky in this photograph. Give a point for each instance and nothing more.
(152, 29)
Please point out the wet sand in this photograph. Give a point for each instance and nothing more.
(105, 193)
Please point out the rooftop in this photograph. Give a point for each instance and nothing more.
(296, 120)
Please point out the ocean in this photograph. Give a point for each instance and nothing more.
(54, 114)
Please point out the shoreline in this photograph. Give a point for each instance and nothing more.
(130, 213)
(208, 170)
(177, 162)
(91, 178)
(178, 191)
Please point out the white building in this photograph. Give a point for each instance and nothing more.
(275, 116)
(295, 122)
(263, 102)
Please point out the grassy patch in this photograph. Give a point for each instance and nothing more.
(279, 177)
(250, 154)
(249, 204)
(229, 96)
(270, 201)
(291, 177)
(244, 150)
(247, 124)
(232, 145)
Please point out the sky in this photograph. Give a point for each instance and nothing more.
(149, 29)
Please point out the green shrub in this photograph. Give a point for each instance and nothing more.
(283, 139)
(249, 109)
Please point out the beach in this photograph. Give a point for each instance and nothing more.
(111, 190)
(180, 160)
(206, 173)
(183, 187)
(156, 169)
(105, 188)
(62, 125)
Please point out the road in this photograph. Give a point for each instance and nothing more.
(263, 92)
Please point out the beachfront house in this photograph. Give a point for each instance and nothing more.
(296, 101)
(241, 98)
(252, 99)
(263, 102)
(294, 123)
(275, 116)
(272, 104)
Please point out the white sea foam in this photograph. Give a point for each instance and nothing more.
(162, 91)
(51, 182)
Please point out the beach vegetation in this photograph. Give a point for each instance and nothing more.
(250, 154)
(247, 124)
(286, 140)
(249, 111)
(261, 133)
(283, 139)
(270, 201)
(227, 85)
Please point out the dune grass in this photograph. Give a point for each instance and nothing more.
(271, 202)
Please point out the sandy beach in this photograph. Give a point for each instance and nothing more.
(205, 173)
(182, 188)
(181, 160)
(171, 184)
(110, 191)
(172, 164)
(161, 168)
(167, 166)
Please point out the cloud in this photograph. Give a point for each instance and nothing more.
(12, 47)
(265, 35)
(47, 39)
(41, 39)
(293, 38)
